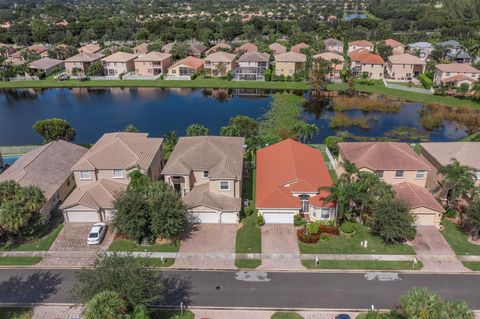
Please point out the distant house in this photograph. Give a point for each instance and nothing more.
(102, 174)
(397, 47)
(360, 44)
(119, 63)
(89, 48)
(356, 15)
(367, 63)
(38, 49)
(167, 48)
(337, 62)
(222, 46)
(277, 48)
(404, 67)
(289, 63)
(81, 62)
(299, 47)
(421, 49)
(218, 64)
(6, 50)
(207, 172)
(49, 168)
(246, 47)
(197, 49)
(185, 68)
(333, 45)
(393, 162)
(142, 48)
(47, 66)
(153, 63)
(252, 66)
(456, 74)
(455, 52)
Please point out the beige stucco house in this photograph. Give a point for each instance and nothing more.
(197, 49)
(89, 48)
(246, 47)
(289, 63)
(456, 73)
(360, 44)
(102, 174)
(49, 168)
(333, 45)
(185, 68)
(218, 64)
(153, 63)
(142, 48)
(207, 172)
(277, 48)
(397, 47)
(221, 46)
(252, 67)
(119, 63)
(367, 63)
(81, 62)
(47, 65)
(404, 67)
(337, 61)
(393, 162)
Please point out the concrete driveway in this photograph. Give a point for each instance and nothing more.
(208, 246)
(280, 247)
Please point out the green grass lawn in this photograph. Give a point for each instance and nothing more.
(249, 237)
(344, 245)
(16, 313)
(128, 245)
(19, 261)
(171, 314)
(458, 240)
(362, 264)
(157, 262)
(41, 244)
(286, 315)
(472, 265)
(248, 263)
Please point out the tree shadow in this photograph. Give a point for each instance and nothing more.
(176, 289)
(35, 288)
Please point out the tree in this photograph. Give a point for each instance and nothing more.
(105, 305)
(131, 129)
(458, 181)
(320, 73)
(304, 132)
(476, 90)
(240, 125)
(384, 50)
(197, 130)
(170, 140)
(332, 143)
(222, 69)
(54, 129)
(473, 215)
(180, 50)
(95, 69)
(133, 216)
(392, 221)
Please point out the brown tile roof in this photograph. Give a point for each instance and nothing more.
(416, 196)
(467, 153)
(120, 151)
(142, 48)
(190, 61)
(298, 47)
(201, 196)
(290, 56)
(36, 48)
(220, 56)
(393, 43)
(197, 48)
(119, 57)
(153, 56)
(168, 47)
(382, 156)
(361, 43)
(85, 57)
(405, 58)
(219, 46)
(366, 58)
(221, 156)
(95, 195)
(248, 47)
(277, 48)
(329, 56)
(457, 67)
(90, 48)
(47, 166)
(254, 57)
(458, 78)
(46, 63)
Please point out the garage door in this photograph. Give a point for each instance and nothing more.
(425, 219)
(203, 218)
(278, 218)
(229, 218)
(83, 216)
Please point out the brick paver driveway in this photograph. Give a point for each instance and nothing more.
(280, 247)
(73, 237)
(434, 252)
(212, 242)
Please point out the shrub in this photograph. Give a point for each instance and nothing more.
(260, 220)
(282, 78)
(194, 76)
(307, 239)
(425, 80)
(161, 77)
(312, 228)
(324, 237)
(298, 220)
(229, 75)
(268, 75)
(332, 230)
(289, 78)
(348, 227)
(450, 213)
(249, 210)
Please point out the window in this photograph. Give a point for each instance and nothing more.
(85, 175)
(421, 174)
(398, 174)
(224, 185)
(118, 173)
(314, 212)
(477, 175)
(379, 174)
(326, 213)
(304, 201)
(205, 174)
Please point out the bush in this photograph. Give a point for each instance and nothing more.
(194, 76)
(307, 239)
(328, 229)
(249, 210)
(425, 80)
(312, 228)
(289, 78)
(260, 220)
(450, 213)
(229, 75)
(348, 227)
(298, 220)
(268, 74)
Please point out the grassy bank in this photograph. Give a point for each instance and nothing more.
(16, 313)
(362, 264)
(19, 261)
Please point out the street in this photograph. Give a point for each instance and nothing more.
(254, 289)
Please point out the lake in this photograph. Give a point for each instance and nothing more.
(157, 111)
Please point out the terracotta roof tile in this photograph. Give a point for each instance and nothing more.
(366, 58)
(277, 48)
(220, 56)
(291, 57)
(457, 67)
(416, 196)
(361, 43)
(393, 43)
(189, 61)
(298, 47)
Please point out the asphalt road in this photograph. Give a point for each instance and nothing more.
(271, 290)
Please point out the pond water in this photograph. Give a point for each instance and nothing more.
(157, 111)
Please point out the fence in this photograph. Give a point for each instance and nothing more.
(5, 150)
(331, 160)
(407, 88)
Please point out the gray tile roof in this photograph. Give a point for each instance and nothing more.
(467, 153)
(201, 196)
(96, 195)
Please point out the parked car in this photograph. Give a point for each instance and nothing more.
(343, 316)
(96, 234)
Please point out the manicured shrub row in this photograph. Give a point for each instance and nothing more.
(332, 230)
(425, 80)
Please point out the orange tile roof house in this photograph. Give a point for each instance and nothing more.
(47, 65)
(103, 173)
(218, 64)
(404, 67)
(119, 63)
(299, 47)
(290, 180)
(185, 68)
(337, 63)
(397, 47)
(246, 47)
(394, 162)
(277, 48)
(38, 49)
(289, 63)
(360, 44)
(367, 63)
(89, 48)
(81, 62)
(153, 63)
(456, 73)
(49, 168)
(207, 172)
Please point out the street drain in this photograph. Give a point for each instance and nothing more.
(218, 287)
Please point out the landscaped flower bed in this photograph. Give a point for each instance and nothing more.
(307, 238)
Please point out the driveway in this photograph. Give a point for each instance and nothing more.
(280, 247)
(208, 246)
(434, 252)
(73, 237)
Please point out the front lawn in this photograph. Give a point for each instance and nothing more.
(15, 313)
(158, 262)
(249, 236)
(458, 239)
(472, 265)
(344, 245)
(362, 264)
(248, 263)
(286, 315)
(127, 245)
(19, 261)
(171, 314)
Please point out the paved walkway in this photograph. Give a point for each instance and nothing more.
(57, 312)
(280, 247)
(262, 314)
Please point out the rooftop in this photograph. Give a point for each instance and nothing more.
(467, 153)
(85, 57)
(119, 57)
(457, 67)
(290, 56)
(254, 57)
(189, 61)
(96, 195)
(362, 43)
(220, 56)
(45, 63)
(416, 196)
(153, 56)
(405, 58)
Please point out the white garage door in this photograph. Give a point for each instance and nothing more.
(203, 218)
(229, 218)
(278, 218)
(83, 216)
(425, 219)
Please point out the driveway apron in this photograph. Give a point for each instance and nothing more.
(280, 248)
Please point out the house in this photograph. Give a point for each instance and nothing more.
(299, 47)
(218, 64)
(337, 62)
(49, 168)
(289, 63)
(81, 62)
(153, 63)
(38, 49)
(246, 47)
(421, 49)
(456, 74)
(393, 162)
(404, 67)
(102, 174)
(197, 49)
(441, 154)
(367, 63)
(333, 45)
(222, 46)
(426, 210)
(142, 48)
(167, 48)
(291, 179)
(119, 63)
(47, 66)
(455, 53)
(277, 48)
(89, 48)
(360, 44)
(207, 172)
(185, 68)
(6, 50)
(397, 47)
(252, 66)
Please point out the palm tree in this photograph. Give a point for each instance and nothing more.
(458, 181)
(476, 90)
(453, 309)
(305, 132)
(420, 303)
(222, 69)
(105, 305)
